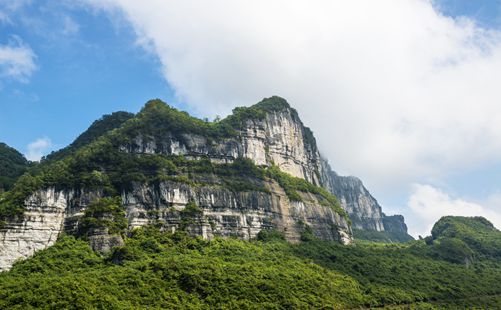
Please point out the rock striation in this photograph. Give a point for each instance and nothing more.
(221, 213)
(278, 138)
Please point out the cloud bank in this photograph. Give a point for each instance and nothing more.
(396, 92)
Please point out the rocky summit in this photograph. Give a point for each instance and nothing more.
(258, 169)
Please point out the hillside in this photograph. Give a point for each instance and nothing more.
(12, 166)
(97, 129)
(165, 270)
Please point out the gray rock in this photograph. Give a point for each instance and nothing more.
(102, 242)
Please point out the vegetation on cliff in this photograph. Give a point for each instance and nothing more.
(163, 270)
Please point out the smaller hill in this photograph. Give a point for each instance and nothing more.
(12, 165)
(97, 129)
(460, 239)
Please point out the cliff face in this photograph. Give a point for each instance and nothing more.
(278, 138)
(43, 221)
(239, 214)
(364, 210)
(220, 212)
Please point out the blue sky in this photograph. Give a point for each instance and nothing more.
(82, 73)
(90, 58)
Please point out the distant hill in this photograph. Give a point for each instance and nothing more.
(12, 165)
(463, 239)
(98, 128)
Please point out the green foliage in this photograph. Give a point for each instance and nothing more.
(190, 214)
(12, 166)
(159, 270)
(453, 250)
(307, 234)
(191, 209)
(393, 274)
(269, 235)
(159, 120)
(105, 213)
(241, 115)
(12, 202)
(477, 233)
(98, 129)
(381, 236)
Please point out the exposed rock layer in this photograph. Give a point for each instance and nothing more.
(222, 213)
(279, 138)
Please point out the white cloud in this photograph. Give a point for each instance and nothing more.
(394, 90)
(427, 204)
(17, 60)
(38, 148)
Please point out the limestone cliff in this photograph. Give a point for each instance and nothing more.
(277, 137)
(221, 213)
(43, 220)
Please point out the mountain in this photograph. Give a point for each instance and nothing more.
(12, 165)
(158, 269)
(258, 169)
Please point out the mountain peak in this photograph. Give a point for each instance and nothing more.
(273, 103)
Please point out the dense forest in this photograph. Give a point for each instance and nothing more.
(457, 267)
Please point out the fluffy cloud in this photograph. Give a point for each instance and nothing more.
(17, 60)
(38, 148)
(427, 204)
(394, 90)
